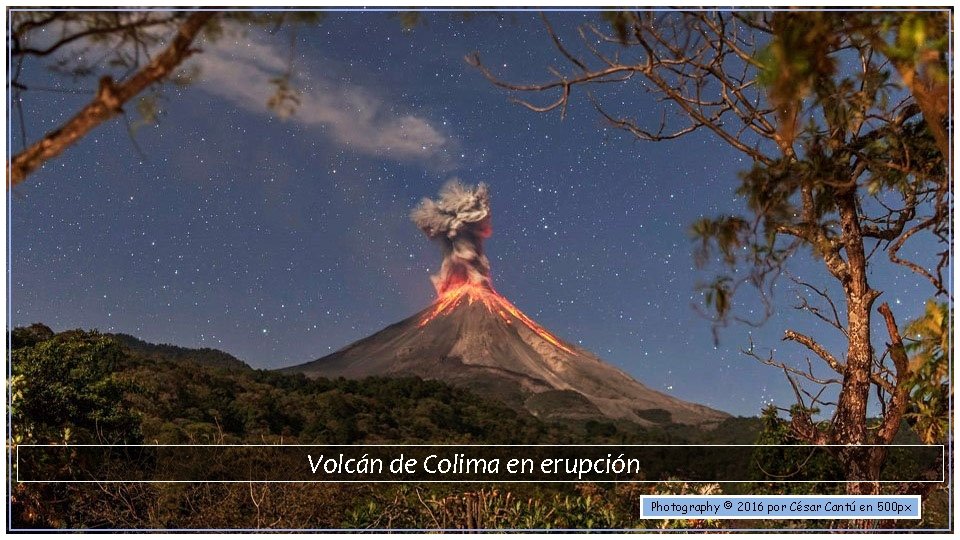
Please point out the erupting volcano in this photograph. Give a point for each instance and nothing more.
(471, 336)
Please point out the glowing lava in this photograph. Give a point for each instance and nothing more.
(474, 292)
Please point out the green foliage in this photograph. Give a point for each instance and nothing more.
(66, 389)
(409, 19)
(725, 234)
(595, 429)
(204, 395)
(198, 396)
(829, 79)
(483, 509)
(148, 109)
(806, 468)
(795, 61)
(114, 44)
(920, 38)
(931, 388)
(801, 61)
(173, 353)
(29, 335)
(718, 295)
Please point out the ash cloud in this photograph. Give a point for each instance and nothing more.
(459, 220)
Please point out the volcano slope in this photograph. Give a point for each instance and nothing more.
(473, 337)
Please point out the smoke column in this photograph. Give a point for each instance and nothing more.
(459, 220)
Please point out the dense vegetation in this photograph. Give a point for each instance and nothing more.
(84, 387)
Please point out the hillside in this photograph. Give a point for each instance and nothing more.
(183, 395)
(203, 356)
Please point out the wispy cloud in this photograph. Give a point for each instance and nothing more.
(352, 116)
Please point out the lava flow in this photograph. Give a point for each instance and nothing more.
(472, 292)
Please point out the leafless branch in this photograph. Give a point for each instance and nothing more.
(770, 361)
(108, 101)
(140, 22)
(834, 319)
(816, 348)
(679, 65)
(559, 44)
(893, 252)
(900, 395)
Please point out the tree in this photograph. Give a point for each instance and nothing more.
(142, 49)
(846, 160)
(64, 389)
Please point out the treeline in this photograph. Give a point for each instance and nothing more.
(174, 395)
(81, 387)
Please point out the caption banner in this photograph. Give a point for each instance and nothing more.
(421, 463)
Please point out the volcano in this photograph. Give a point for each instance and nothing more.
(471, 336)
(475, 338)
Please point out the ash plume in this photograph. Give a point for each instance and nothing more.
(459, 220)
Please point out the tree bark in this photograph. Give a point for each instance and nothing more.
(108, 101)
(850, 419)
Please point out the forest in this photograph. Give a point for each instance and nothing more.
(80, 387)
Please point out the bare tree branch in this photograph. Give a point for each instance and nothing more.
(901, 394)
(834, 320)
(559, 44)
(914, 267)
(106, 30)
(818, 349)
(108, 101)
(697, 62)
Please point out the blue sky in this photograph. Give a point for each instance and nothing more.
(280, 240)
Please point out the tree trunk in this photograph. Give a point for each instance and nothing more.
(850, 418)
(862, 465)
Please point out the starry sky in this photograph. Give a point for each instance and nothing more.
(280, 240)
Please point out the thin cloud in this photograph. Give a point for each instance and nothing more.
(352, 116)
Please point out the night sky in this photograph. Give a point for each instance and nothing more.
(282, 240)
